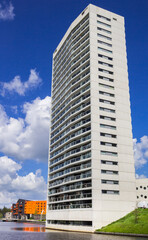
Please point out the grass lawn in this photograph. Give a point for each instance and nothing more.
(134, 222)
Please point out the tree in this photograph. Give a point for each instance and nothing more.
(4, 210)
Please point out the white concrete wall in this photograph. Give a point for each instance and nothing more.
(108, 208)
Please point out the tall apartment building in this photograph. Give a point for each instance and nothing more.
(91, 167)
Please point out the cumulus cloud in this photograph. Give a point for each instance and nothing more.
(140, 176)
(141, 151)
(28, 137)
(13, 186)
(19, 87)
(6, 11)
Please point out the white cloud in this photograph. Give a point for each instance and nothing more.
(141, 151)
(27, 138)
(7, 164)
(16, 85)
(13, 186)
(140, 176)
(6, 11)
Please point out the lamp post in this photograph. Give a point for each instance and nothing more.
(41, 214)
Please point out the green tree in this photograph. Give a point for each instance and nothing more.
(4, 210)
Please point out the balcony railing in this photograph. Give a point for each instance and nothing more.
(70, 206)
(70, 178)
(71, 197)
(71, 187)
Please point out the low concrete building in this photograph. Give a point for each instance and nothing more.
(142, 192)
(8, 216)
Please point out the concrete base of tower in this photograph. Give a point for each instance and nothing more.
(61, 227)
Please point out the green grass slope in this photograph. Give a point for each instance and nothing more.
(134, 222)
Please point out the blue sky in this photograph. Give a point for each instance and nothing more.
(30, 32)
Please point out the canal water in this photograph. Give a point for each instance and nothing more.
(30, 231)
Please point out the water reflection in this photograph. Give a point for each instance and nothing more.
(30, 229)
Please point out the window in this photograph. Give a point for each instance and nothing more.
(107, 44)
(109, 162)
(105, 71)
(105, 24)
(103, 30)
(106, 86)
(137, 197)
(75, 223)
(107, 118)
(107, 110)
(106, 101)
(106, 78)
(105, 57)
(109, 172)
(108, 126)
(103, 36)
(109, 153)
(105, 64)
(107, 94)
(105, 18)
(110, 192)
(145, 197)
(105, 50)
(108, 135)
(144, 188)
(115, 19)
(108, 144)
(136, 188)
(109, 181)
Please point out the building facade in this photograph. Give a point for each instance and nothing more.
(24, 209)
(8, 216)
(91, 178)
(18, 209)
(142, 192)
(35, 207)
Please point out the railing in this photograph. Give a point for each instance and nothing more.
(69, 170)
(70, 178)
(76, 196)
(70, 206)
(71, 187)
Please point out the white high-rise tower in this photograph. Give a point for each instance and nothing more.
(91, 166)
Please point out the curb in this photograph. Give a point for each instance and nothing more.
(122, 234)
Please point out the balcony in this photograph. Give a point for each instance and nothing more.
(76, 186)
(64, 118)
(70, 197)
(70, 206)
(69, 170)
(68, 179)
